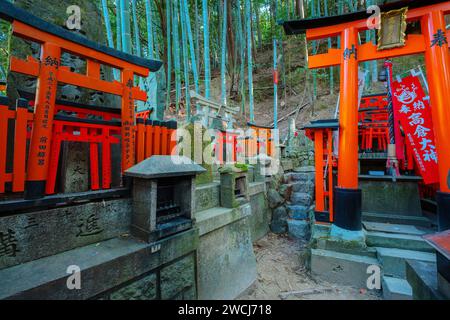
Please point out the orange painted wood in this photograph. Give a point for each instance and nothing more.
(330, 174)
(361, 25)
(318, 147)
(438, 73)
(41, 137)
(3, 145)
(106, 160)
(91, 81)
(348, 122)
(164, 141)
(20, 147)
(415, 44)
(128, 122)
(28, 32)
(95, 179)
(140, 142)
(156, 140)
(93, 69)
(148, 141)
(54, 159)
(29, 67)
(332, 58)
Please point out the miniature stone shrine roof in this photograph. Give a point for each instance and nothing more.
(165, 167)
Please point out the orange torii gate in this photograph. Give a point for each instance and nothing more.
(49, 72)
(433, 43)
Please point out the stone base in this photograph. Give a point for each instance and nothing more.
(388, 197)
(225, 258)
(341, 268)
(114, 269)
(339, 234)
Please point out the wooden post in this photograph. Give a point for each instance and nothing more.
(128, 121)
(41, 136)
(318, 147)
(438, 73)
(348, 134)
(347, 210)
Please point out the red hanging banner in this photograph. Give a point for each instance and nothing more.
(414, 113)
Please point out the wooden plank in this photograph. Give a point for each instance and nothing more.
(20, 146)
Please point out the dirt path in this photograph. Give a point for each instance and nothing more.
(282, 275)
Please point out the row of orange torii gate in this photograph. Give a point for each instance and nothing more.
(39, 125)
(434, 45)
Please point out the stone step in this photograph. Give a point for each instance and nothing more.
(303, 186)
(396, 219)
(394, 260)
(297, 212)
(298, 229)
(341, 268)
(396, 228)
(299, 176)
(301, 199)
(396, 289)
(398, 241)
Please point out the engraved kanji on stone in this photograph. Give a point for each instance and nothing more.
(89, 226)
(8, 244)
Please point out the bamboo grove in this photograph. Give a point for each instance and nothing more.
(199, 40)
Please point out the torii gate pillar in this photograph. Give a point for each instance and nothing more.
(348, 198)
(438, 72)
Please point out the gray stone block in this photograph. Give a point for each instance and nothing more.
(207, 196)
(399, 241)
(298, 212)
(301, 199)
(45, 233)
(279, 220)
(305, 187)
(226, 262)
(306, 169)
(394, 260)
(143, 289)
(274, 198)
(387, 197)
(178, 280)
(105, 268)
(298, 229)
(260, 218)
(422, 277)
(341, 268)
(301, 176)
(396, 289)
